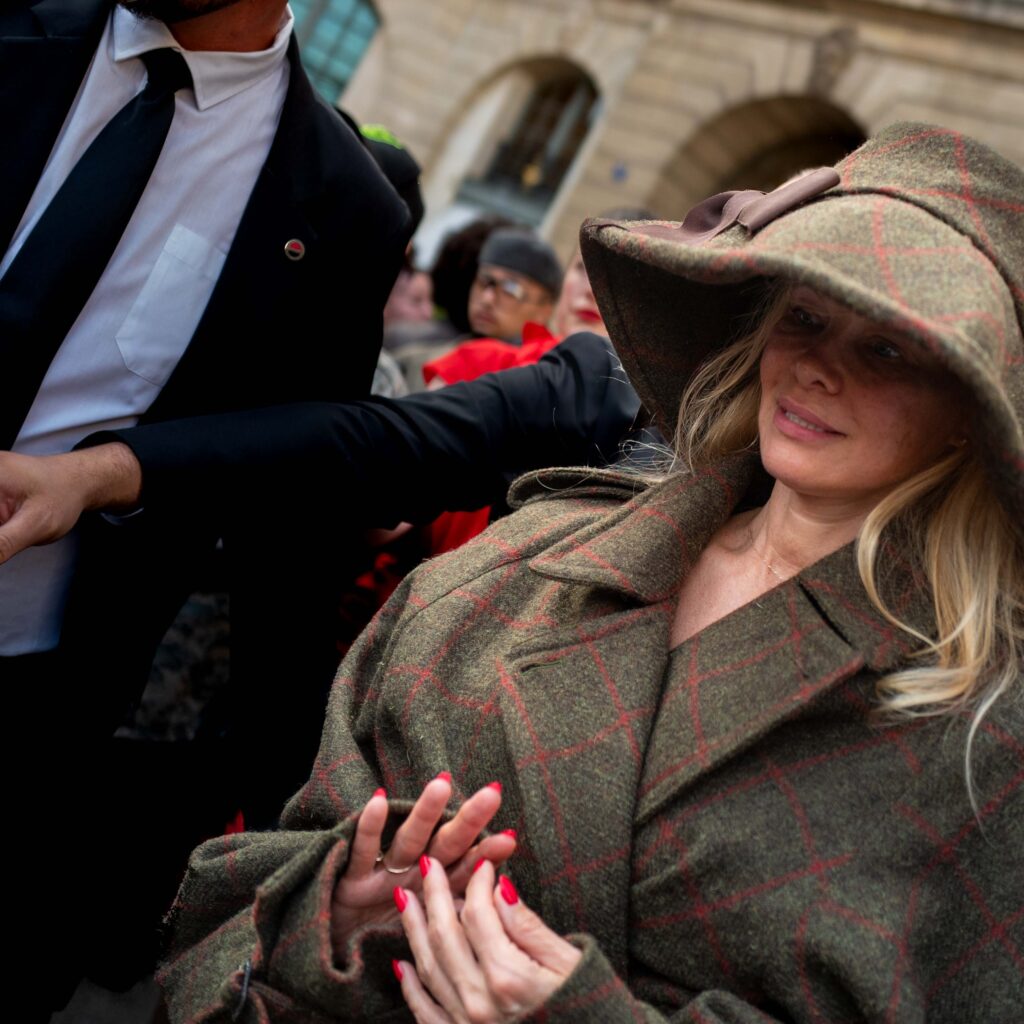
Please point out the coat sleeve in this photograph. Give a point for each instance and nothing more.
(408, 459)
(595, 994)
(249, 931)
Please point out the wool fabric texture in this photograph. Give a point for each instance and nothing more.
(725, 831)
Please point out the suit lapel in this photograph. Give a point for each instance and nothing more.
(226, 344)
(60, 37)
(262, 292)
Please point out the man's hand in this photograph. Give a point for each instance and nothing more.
(41, 497)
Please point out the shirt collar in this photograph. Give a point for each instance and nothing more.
(216, 76)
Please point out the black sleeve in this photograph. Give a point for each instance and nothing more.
(389, 460)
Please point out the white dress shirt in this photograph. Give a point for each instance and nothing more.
(149, 300)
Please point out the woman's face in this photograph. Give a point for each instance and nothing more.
(411, 299)
(576, 309)
(850, 409)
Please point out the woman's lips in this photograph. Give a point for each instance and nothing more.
(796, 421)
(590, 316)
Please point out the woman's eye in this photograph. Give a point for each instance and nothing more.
(886, 350)
(802, 318)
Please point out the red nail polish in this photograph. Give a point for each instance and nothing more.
(380, 792)
(397, 968)
(479, 864)
(447, 776)
(508, 891)
(424, 865)
(494, 785)
(401, 900)
(510, 832)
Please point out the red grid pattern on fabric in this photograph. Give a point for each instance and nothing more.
(740, 789)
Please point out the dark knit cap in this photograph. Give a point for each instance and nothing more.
(526, 253)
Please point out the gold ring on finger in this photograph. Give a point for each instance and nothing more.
(391, 871)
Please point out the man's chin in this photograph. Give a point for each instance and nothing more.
(173, 11)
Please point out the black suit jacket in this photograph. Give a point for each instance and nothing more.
(275, 330)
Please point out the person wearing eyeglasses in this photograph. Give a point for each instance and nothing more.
(517, 282)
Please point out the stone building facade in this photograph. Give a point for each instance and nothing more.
(661, 102)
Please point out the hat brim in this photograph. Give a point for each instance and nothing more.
(669, 304)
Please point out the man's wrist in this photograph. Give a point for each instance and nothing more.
(109, 477)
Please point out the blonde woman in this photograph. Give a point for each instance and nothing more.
(757, 726)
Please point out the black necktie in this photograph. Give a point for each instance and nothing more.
(57, 267)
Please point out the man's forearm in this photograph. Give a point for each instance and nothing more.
(402, 459)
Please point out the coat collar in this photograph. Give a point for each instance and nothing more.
(643, 551)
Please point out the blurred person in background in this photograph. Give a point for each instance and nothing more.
(575, 310)
(455, 268)
(412, 298)
(452, 276)
(516, 283)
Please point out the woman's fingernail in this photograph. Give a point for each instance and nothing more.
(494, 785)
(380, 792)
(397, 968)
(447, 776)
(508, 891)
(424, 865)
(479, 864)
(510, 832)
(401, 900)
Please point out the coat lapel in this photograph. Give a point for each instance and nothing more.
(736, 681)
(60, 37)
(577, 703)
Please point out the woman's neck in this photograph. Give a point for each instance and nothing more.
(793, 531)
(756, 551)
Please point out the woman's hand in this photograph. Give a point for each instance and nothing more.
(364, 892)
(489, 963)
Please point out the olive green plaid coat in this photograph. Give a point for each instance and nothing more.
(725, 830)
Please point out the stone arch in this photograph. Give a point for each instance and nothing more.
(757, 144)
(467, 172)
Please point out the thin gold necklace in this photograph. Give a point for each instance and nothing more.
(768, 565)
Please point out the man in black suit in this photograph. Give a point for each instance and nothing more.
(319, 239)
(303, 231)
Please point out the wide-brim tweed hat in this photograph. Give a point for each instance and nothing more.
(920, 229)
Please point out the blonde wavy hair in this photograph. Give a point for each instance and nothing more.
(968, 546)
